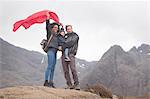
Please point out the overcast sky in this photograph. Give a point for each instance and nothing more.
(99, 23)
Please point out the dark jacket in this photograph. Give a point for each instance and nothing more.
(71, 42)
(54, 41)
(61, 40)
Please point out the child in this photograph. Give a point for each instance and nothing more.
(61, 41)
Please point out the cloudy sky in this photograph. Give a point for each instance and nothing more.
(99, 23)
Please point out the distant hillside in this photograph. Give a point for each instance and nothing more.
(125, 73)
(19, 66)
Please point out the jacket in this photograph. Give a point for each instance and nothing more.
(54, 41)
(71, 43)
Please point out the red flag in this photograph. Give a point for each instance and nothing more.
(38, 17)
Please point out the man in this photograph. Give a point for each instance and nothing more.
(72, 44)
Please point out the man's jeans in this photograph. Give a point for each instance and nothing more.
(49, 73)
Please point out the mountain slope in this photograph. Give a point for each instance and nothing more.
(19, 66)
(125, 73)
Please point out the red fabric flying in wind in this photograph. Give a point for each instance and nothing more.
(38, 17)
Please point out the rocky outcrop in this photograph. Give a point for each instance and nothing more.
(40, 92)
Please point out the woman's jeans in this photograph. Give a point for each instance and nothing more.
(49, 73)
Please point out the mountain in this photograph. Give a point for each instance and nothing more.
(125, 73)
(19, 66)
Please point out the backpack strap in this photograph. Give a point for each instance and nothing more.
(48, 43)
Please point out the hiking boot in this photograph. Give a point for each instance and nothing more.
(51, 84)
(76, 87)
(46, 83)
(69, 87)
(67, 59)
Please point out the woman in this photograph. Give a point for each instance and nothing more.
(52, 29)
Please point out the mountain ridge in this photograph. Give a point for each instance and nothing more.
(124, 72)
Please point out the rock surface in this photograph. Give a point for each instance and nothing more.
(40, 92)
